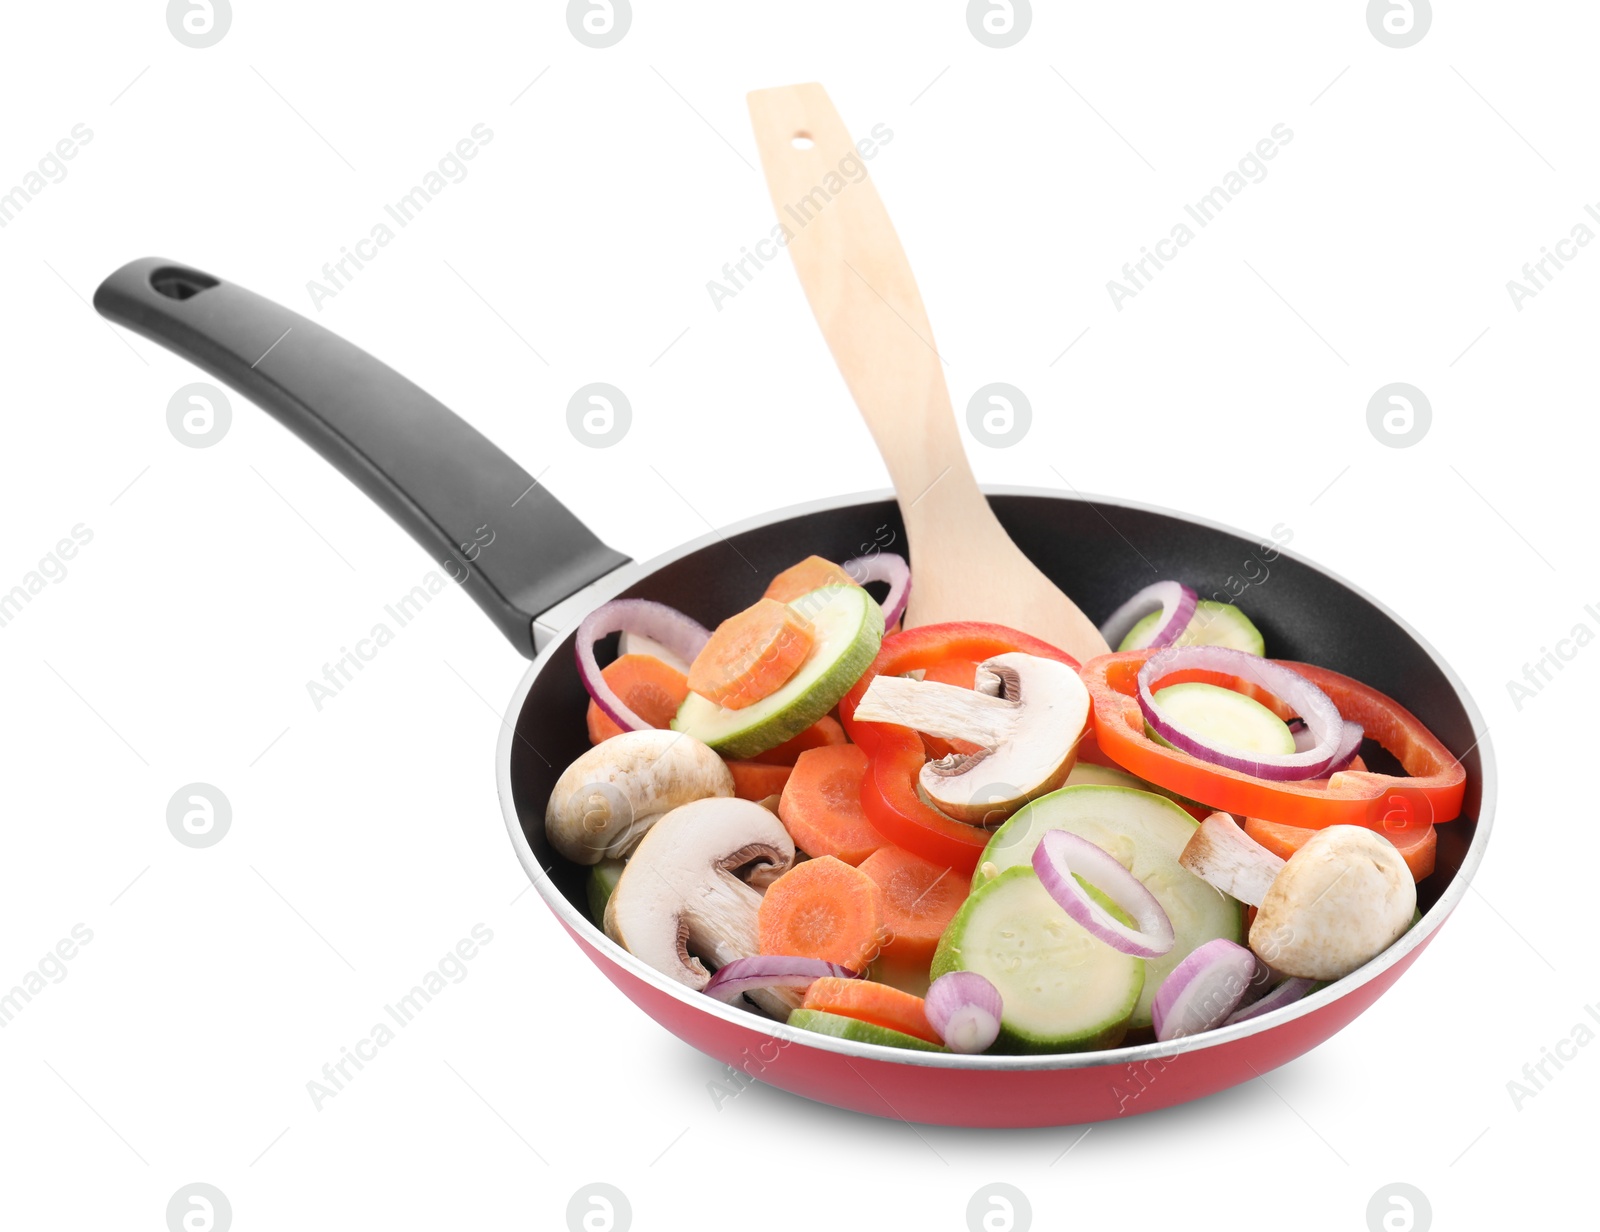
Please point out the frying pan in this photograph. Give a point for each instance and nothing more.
(450, 487)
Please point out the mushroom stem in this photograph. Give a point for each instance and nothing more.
(1223, 855)
(723, 927)
(1026, 714)
(944, 710)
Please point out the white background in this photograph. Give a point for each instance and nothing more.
(366, 839)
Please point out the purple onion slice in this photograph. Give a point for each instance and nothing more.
(743, 975)
(1202, 990)
(884, 567)
(1177, 603)
(677, 632)
(1060, 854)
(1329, 739)
(1286, 993)
(964, 1008)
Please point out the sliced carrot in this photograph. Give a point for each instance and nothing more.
(866, 1001)
(751, 654)
(812, 573)
(824, 731)
(1417, 844)
(754, 781)
(963, 674)
(919, 901)
(653, 690)
(823, 909)
(821, 805)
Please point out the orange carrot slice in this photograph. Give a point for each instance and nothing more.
(823, 909)
(824, 731)
(821, 805)
(1417, 844)
(751, 654)
(653, 690)
(812, 573)
(754, 781)
(919, 901)
(866, 1001)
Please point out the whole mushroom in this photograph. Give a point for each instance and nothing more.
(607, 799)
(1333, 906)
(1025, 712)
(686, 898)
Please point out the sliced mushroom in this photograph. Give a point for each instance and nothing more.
(1027, 714)
(1223, 855)
(604, 802)
(682, 902)
(1336, 904)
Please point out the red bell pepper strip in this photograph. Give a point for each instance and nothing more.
(1432, 794)
(1418, 845)
(890, 799)
(889, 790)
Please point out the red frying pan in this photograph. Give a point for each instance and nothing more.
(450, 487)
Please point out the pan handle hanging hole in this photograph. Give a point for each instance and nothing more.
(176, 283)
(802, 141)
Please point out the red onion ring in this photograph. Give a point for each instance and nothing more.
(1286, 993)
(964, 1008)
(1202, 990)
(1329, 733)
(1060, 854)
(884, 567)
(677, 632)
(1177, 603)
(1349, 743)
(1349, 746)
(743, 975)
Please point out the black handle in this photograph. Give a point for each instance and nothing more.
(515, 548)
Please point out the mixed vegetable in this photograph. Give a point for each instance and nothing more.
(955, 837)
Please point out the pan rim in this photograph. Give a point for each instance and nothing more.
(579, 923)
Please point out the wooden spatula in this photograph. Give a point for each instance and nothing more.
(963, 564)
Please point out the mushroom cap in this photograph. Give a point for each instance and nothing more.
(604, 801)
(988, 786)
(1339, 902)
(680, 893)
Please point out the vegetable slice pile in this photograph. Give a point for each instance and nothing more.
(954, 838)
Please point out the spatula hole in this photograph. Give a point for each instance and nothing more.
(802, 141)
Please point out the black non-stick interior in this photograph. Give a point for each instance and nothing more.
(1099, 553)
